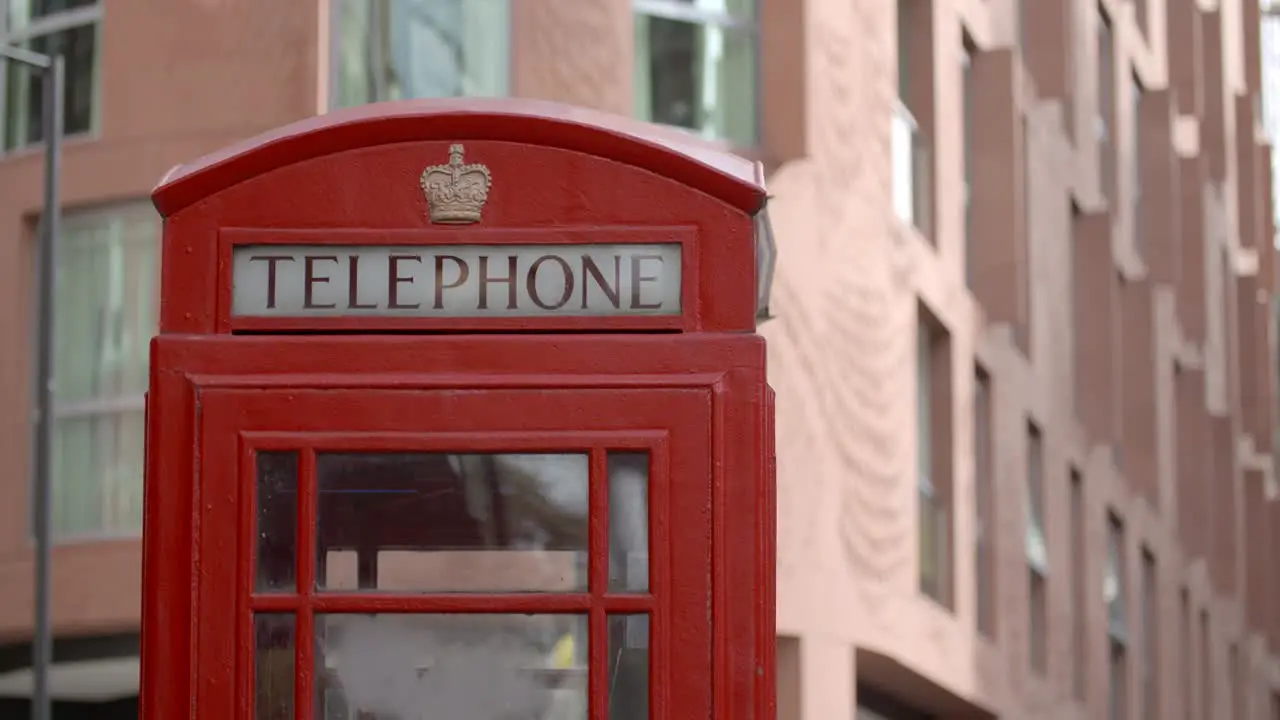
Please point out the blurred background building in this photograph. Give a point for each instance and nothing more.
(1025, 339)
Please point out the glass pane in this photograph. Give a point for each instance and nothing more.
(277, 521)
(697, 76)
(36, 9)
(273, 673)
(933, 549)
(97, 473)
(25, 92)
(77, 493)
(436, 522)
(628, 667)
(106, 309)
(395, 667)
(402, 49)
(628, 521)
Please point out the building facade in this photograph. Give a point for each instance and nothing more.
(1024, 344)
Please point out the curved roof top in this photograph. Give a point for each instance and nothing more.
(671, 153)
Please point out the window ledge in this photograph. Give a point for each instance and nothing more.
(37, 149)
(92, 538)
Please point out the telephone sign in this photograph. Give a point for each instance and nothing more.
(455, 280)
(458, 410)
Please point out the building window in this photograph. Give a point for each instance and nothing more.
(908, 146)
(1139, 234)
(696, 66)
(1206, 667)
(52, 27)
(1106, 109)
(966, 121)
(1037, 553)
(1150, 637)
(1234, 677)
(1114, 594)
(932, 447)
(984, 521)
(1079, 568)
(1188, 666)
(1117, 697)
(1070, 57)
(1023, 8)
(106, 314)
(404, 49)
(1022, 329)
(1073, 302)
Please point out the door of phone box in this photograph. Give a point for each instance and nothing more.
(457, 411)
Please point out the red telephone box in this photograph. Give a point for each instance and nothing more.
(458, 411)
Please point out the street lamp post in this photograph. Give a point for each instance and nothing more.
(51, 70)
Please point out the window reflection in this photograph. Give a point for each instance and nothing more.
(277, 521)
(424, 522)
(273, 677)
(486, 667)
(697, 70)
(628, 521)
(628, 667)
(402, 49)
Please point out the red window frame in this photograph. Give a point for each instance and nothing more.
(672, 424)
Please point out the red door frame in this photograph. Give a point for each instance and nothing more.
(620, 390)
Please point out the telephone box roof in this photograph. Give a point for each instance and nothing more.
(664, 151)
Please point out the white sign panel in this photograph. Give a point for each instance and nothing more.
(456, 281)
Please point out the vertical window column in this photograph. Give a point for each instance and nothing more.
(1135, 170)
(966, 121)
(1105, 112)
(984, 502)
(105, 315)
(912, 121)
(1037, 554)
(1079, 595)
(1115, 597)
(1150, 636)
(933, 453)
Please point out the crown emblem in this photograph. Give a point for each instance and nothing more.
(456, 193)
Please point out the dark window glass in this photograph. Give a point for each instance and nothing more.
(274, 666)
(699, 75)
(628, 667)
(277, 530)
(24, 89)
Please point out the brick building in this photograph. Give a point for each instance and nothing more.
(1024, 345)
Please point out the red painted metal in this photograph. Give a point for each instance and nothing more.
(689, 389)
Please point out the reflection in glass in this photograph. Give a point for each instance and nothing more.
(24, 87)
(273, 676)
(277, 521)
(423, 522)
(403, 49)
(486, 667)
(700, 76)
(628, 521)
(628, 666)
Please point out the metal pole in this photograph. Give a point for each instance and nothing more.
(42, 644)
